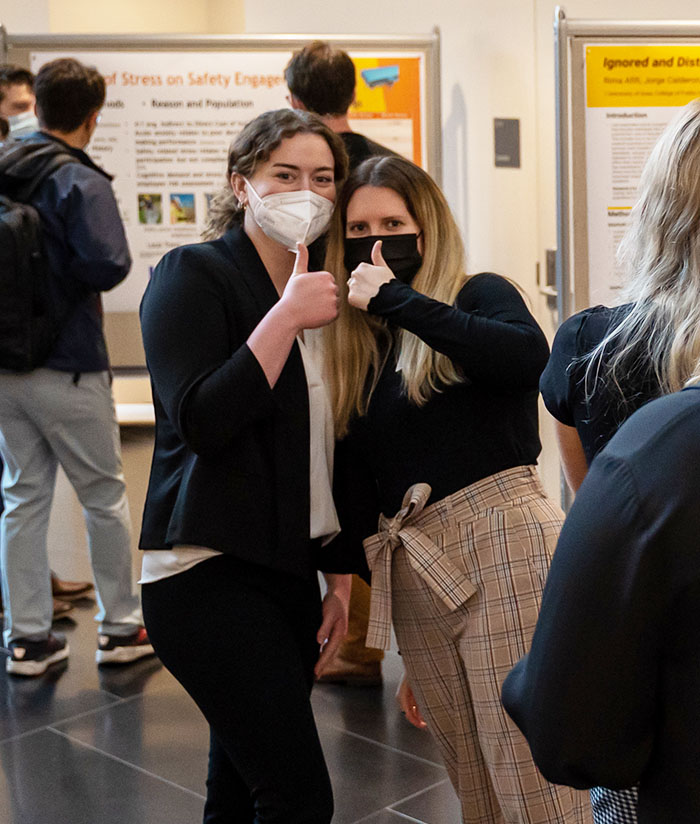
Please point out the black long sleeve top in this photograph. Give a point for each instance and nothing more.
(609, 694)
(465, 432)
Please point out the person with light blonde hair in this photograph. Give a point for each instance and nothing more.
(607, 362)
(433, 378)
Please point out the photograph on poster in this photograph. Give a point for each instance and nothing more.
(182, 208)
(632, 93)
(150, 209)
(170, 116)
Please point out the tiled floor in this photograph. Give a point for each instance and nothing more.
(127, 746)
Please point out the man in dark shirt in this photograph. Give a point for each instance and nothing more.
(609, 694)
(63, 412)
(321, 80)
(17, 112)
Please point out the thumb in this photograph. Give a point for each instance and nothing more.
(377, 257)
(301, 264)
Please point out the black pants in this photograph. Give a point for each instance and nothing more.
(241, 641)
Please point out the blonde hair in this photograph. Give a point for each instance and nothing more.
(660, 337)
(253, 146)
(358, 343)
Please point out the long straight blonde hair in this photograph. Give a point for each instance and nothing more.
(660, 337)
(358, 343)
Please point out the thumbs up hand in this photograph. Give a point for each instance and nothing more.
(301, 262)
(310, 298)
(365, 281)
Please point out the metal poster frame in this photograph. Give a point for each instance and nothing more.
(121, 323)
(16, 49)
(570, 38)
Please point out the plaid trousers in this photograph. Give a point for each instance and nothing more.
(499, 534)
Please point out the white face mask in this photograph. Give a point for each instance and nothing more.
(291, 217)
(22, 124)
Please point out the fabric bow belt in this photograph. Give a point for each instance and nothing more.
(445, 579)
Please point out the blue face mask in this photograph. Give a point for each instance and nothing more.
(23, 124)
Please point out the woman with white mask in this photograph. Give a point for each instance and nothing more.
(239, 502)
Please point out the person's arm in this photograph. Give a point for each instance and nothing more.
(573, 458)
(334, 626)
(310, 300)
(489, 332)
(563, 391)
(584, 696)
(209, 382)
(208, 378)
(94, 230)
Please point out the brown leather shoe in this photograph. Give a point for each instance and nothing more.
(69, 590)
(352, 673)
(60, 609)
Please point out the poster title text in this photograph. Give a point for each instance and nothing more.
(200, 79)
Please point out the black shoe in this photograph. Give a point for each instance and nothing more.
(123, 649)
(35, 657)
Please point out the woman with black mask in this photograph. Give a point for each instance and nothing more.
(433, 379)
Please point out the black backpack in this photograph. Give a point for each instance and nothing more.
(31, 317)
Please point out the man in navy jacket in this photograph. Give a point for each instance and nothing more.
(609, 694)
(63, 412)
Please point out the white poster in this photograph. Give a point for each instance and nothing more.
(164, 135)
(169, 118)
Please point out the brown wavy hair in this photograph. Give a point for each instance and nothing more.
(253, 146)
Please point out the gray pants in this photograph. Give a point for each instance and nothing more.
(47, 419)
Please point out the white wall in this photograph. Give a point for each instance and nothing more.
(137, 16)
(25, 16)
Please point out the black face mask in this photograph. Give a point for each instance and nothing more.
(399, 251)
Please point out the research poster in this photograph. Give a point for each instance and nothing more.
(169, 118)
(632, 92)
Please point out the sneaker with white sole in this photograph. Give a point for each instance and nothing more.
(123, 649)
(35, 657)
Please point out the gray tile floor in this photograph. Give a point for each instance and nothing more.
(127, 746)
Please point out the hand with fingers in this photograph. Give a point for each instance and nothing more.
(366, 279)
(332, 630)
(334, 626)
(310, 298)
(408, 704)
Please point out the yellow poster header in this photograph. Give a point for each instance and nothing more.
(641, 76)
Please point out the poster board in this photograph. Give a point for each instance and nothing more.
(618, 85)
(174, 103)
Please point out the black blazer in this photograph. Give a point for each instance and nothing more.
(231, 462)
